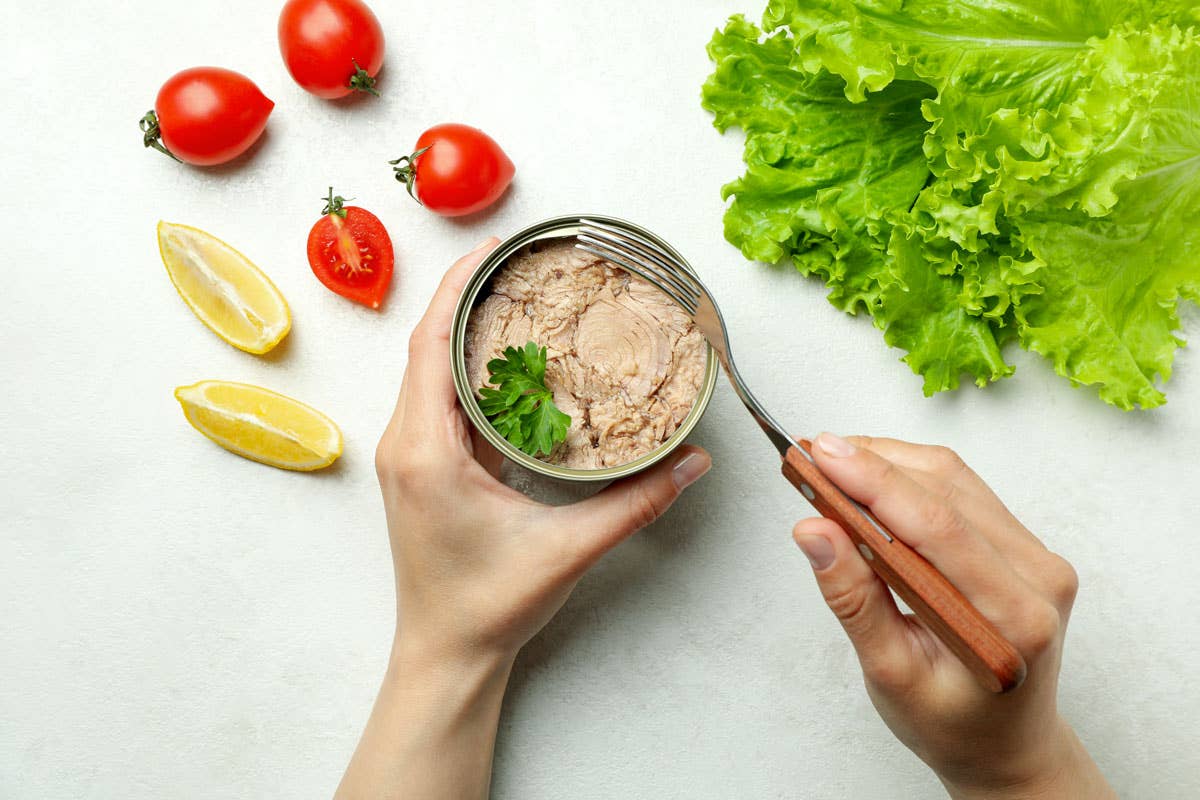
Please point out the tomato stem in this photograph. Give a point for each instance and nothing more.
(334, 205)
(152, 136)
(405, 168)
(360, 81)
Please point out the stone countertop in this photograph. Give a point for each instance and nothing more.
(180, 622)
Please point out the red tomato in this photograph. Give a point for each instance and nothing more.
(350, 252)
(331, 47)
(206, 115)
(455, 170)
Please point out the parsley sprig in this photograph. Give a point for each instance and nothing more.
(522, 409)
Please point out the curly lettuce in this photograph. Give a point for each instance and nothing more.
(974, 173)
(1111, 318)
(820, 173)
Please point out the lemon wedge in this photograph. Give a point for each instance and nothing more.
(226, 291)
(261, 425)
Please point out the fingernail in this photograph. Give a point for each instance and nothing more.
(835, 446)
(818, 549)
(482, 244)
(690, 469)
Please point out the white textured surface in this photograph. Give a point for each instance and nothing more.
(177, 622)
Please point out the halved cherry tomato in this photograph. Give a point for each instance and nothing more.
(206, 116)
(455, 170)
(350, 252)
(331, 47)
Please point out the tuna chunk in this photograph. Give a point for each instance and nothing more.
(622, 359)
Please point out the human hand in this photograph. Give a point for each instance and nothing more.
(480, 568)
(980, 744)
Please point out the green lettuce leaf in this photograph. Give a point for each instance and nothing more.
(1018, 49)
(869, 43)
(922, 312)
(1028, 93)
(820, 172)
(1108, 312)
(1179, 12)
(975, 172)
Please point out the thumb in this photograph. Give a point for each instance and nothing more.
(860, 600)
(596, 525)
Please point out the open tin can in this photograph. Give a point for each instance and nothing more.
(476, 292)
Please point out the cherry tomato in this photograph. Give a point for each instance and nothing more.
(331, 47)
(455, 170)
(350, 252)
(206, 116)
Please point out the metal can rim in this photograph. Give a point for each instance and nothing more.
(553, 228)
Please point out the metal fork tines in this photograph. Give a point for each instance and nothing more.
(669, 275)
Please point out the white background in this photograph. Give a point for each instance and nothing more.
(177, 622)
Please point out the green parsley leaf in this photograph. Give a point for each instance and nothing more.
(522, 409)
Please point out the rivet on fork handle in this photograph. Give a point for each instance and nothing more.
(972, 637)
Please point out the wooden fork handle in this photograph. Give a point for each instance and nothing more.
(991, 658)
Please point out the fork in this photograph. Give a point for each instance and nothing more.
(993, 660)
